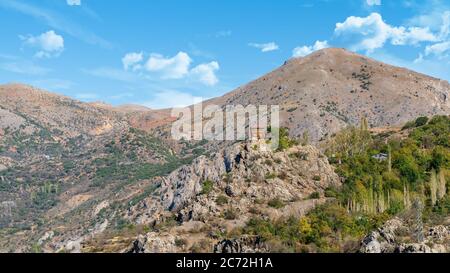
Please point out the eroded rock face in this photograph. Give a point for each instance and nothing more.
(387, 239)
(244, 182)
(242, 245)
(245, 176)
(153, 243)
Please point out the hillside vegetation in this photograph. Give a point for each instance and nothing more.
(384, 176)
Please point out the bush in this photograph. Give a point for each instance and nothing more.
(421, 121)
(208, 186)
(317, 178)
(299, 155)
(221, 200)
(201, 247)
(285, 142)
(230, 214)
(331, 192)
(271, 176)
(314, 195)
(409, 125)
(276, 203)
(180, 242)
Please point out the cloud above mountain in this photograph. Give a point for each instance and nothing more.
(372, 32)
(49, 44)
(132, 60)
(302, 51)
(266, 47)
(177, 67)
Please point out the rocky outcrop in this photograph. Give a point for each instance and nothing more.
(222, 191)
(153, 243)
(396, 237)
(244, 177)
(241, 245)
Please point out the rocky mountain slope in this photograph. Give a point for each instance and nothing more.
(91, 177)
(217, 194)
(61, 158)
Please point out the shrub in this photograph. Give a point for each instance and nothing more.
(254, 210)
(201, 247)
(230, 214)
(299, 155)
(221, 200)
(208, 186)
(285, 142)
(283, 175)
(317, 178)
(421, 121)
(314, 195)
(331, 193)
(409, 125)
(271, 176)
(276, 203)
(180, 242)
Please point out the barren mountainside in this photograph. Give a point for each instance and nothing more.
(332, 88)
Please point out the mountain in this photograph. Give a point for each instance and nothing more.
(332, 88)
(60, 158)
(80, 176)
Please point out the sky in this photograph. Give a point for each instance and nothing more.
(165, 53)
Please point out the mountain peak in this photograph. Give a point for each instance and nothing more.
(333, 88)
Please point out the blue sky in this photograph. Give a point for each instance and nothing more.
(164, 53)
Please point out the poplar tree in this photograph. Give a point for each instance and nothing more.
(418, 215)
(433, 187)
(442, 187)
(389, 159)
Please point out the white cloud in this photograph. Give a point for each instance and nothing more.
(445, 27)
(176, 67)
(132, 60)
(373, 2)
(267, 47)
(375, 33)
(74, 2)
(302, 51)
(206, 73)
(49, 43)
(437, 19)
(56, 21)
(172, 98)
(439, 49)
